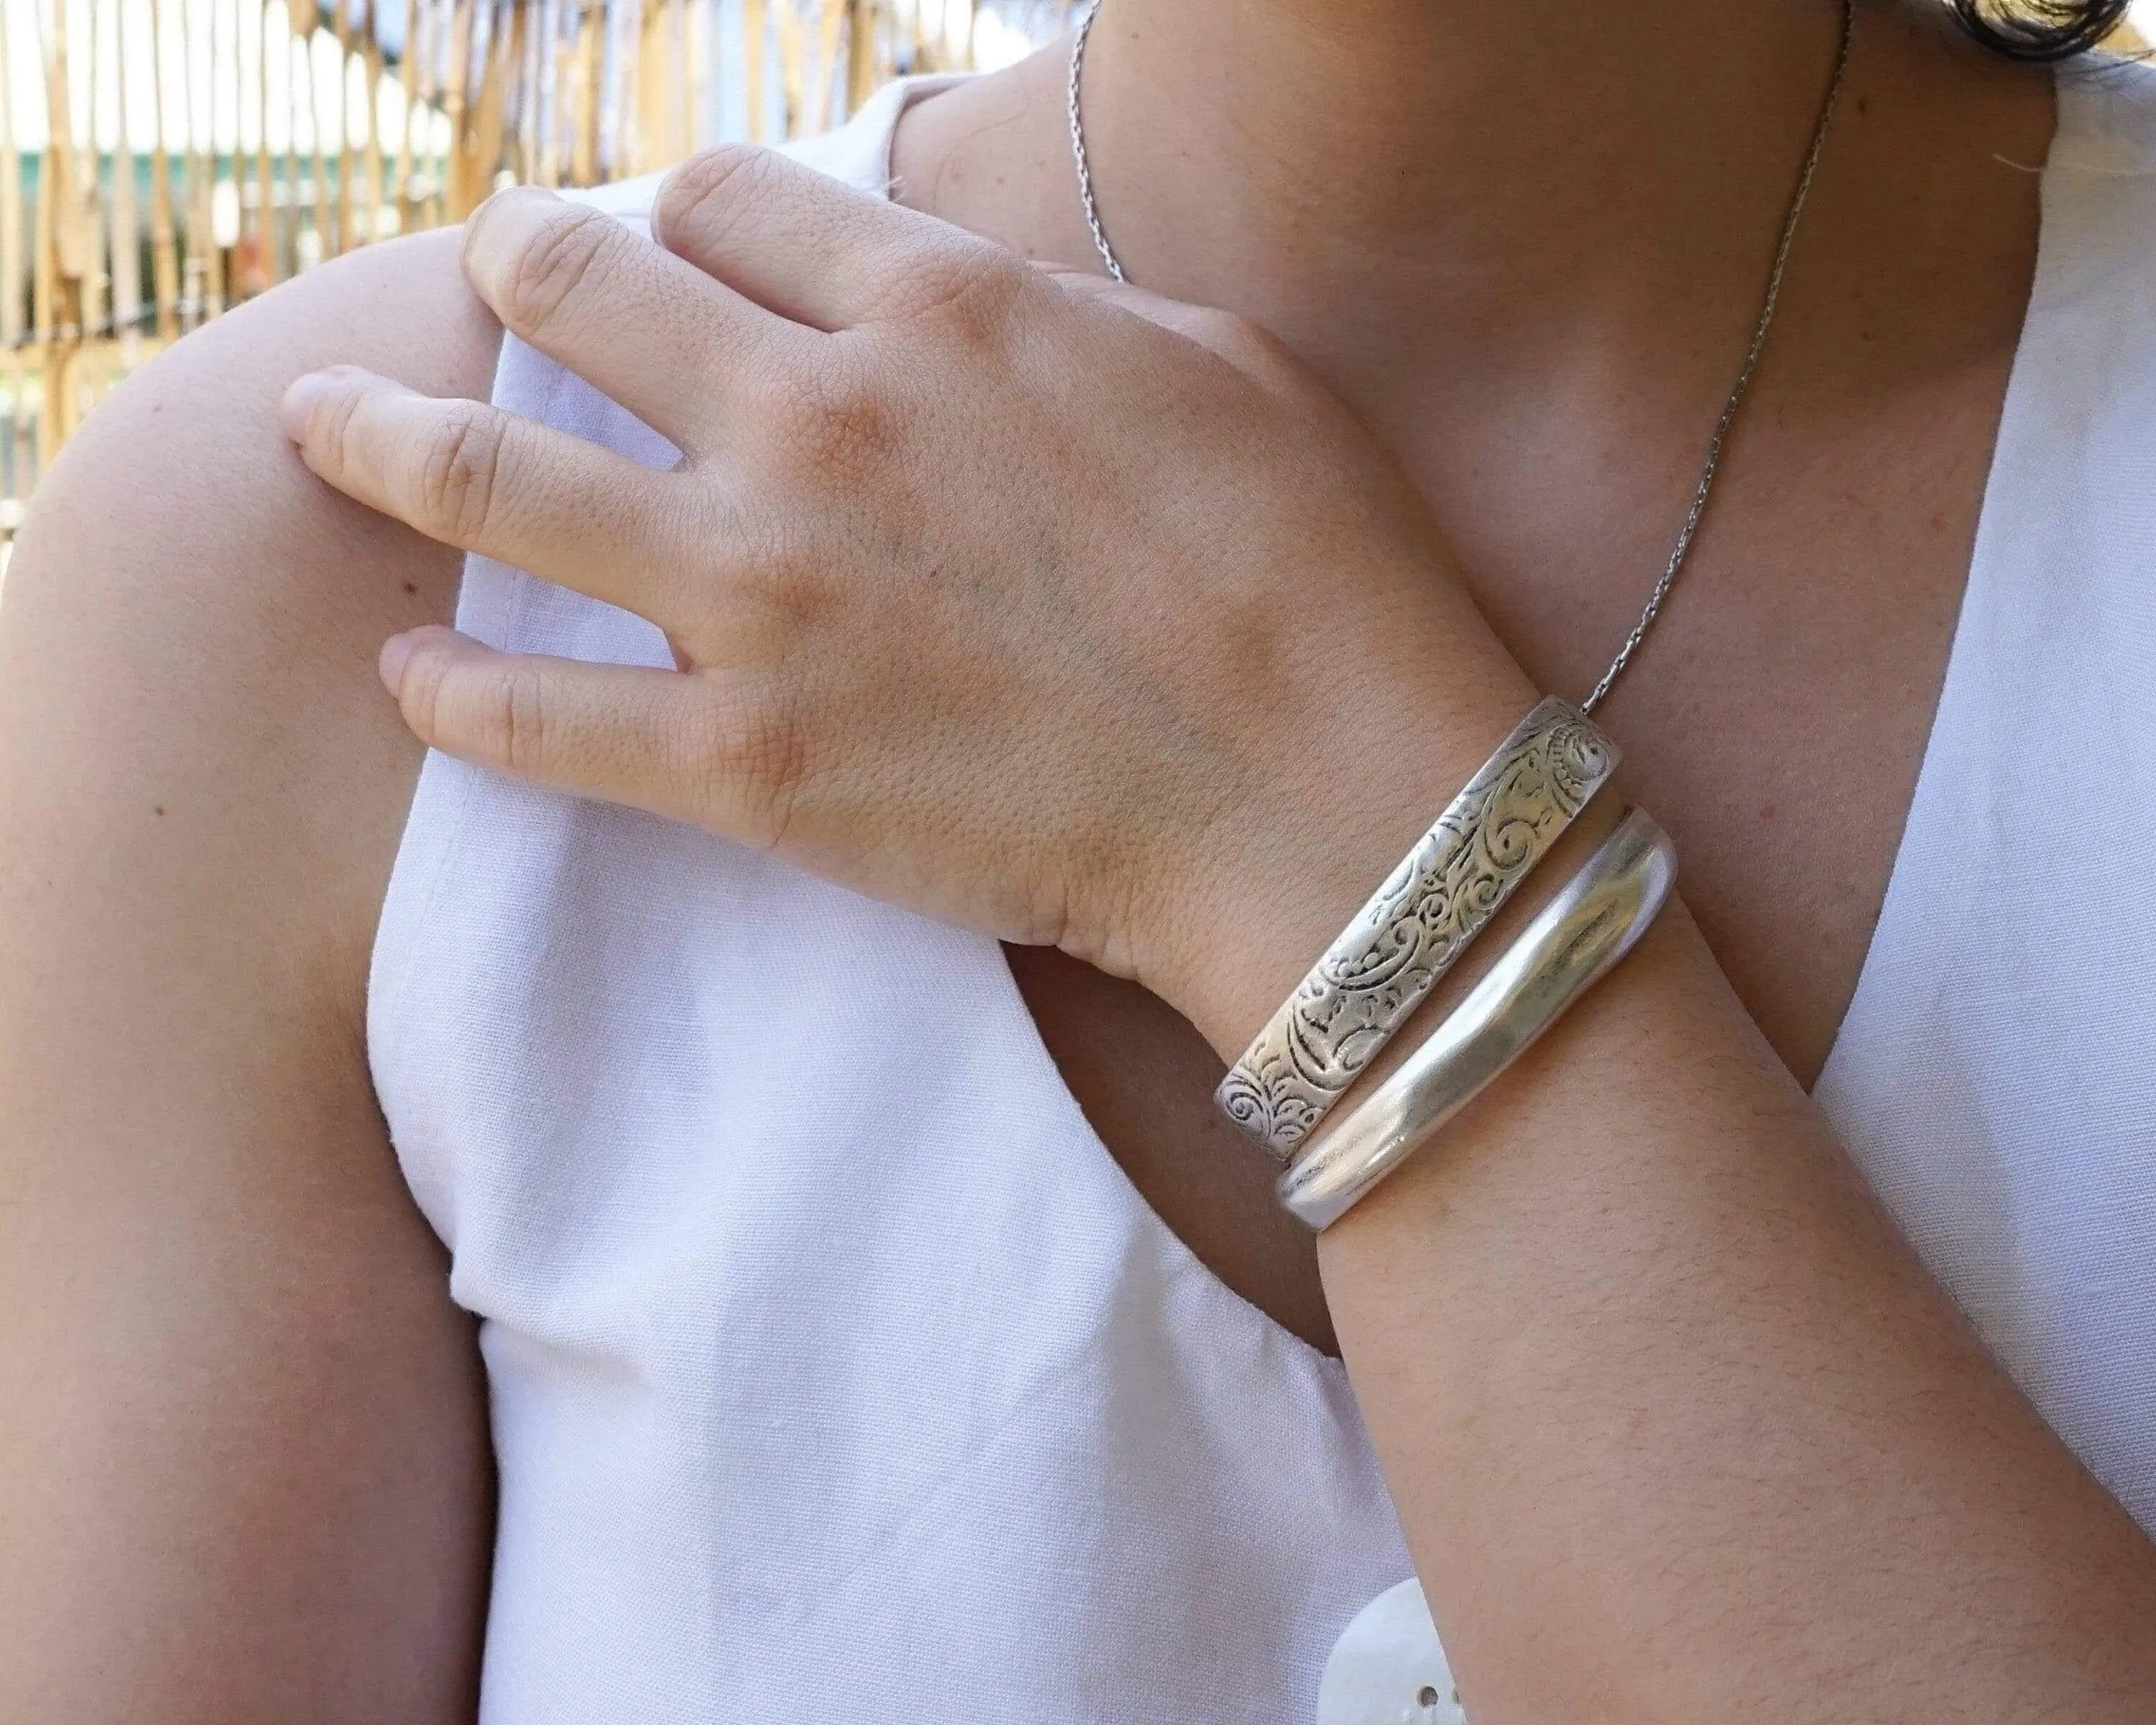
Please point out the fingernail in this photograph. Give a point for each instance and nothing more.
(299, 403)
(395, 652)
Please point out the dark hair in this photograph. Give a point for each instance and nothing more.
(2039, 29)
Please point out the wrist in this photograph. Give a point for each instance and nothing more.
(1276, 879)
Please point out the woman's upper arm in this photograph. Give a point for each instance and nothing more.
(242, 1458)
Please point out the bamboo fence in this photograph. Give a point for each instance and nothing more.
(161, 159)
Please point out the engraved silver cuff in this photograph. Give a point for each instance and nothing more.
(1572, 943)
(1415, 924)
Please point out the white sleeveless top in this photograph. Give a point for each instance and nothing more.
(838, 1373)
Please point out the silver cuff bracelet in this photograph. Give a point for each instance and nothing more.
(1415, 924)
(1573, 940)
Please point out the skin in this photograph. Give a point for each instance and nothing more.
(1676, 1428)
(243, 1472)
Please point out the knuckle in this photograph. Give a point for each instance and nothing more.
(520, 710)
(331, 429)
(425, 697)
(843, 420)
(790, 593)
(495, 712)
(551, 271)
(696, 194)
(458, 472)
(969, 293)
(777, 571)
(754, 756)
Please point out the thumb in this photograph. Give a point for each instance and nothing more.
(622, 733)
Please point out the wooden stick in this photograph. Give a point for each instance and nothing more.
(11, 232)
(11, 277)
(457, 193)
(59, 239)
(532, 116)
(192, 269)
(126, 239)
(589, 67)
(623, 38)
(195, 239)
(441, 35)
(164, 253)
(646, 121)
(707, 60)
(792, 73)
(831, 20)
(547, 63)
(755, 45)
(89, 214)
(704, 57)
(372, 119)
(515, 77)
(407, 80)
(523, 121)
(213, 251)
(651, 125)
(22, 464)
(347, 158)
(270, 261)
(685, 81)
(558, 147)
(483, 154)
(327, 244)
(44, 304)
(294, 48)
(864, 60)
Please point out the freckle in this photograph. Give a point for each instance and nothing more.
(157, 808)
(411, 586)
(1769, 812)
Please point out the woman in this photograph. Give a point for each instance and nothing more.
(835, 1368)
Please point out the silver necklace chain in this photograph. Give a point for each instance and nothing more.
(1712, 464)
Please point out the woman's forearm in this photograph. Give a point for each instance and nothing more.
(1678, 1427)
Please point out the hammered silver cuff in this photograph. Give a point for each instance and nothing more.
(1571, 944)
(1415, 925)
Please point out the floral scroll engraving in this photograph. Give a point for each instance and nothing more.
(1416, 925)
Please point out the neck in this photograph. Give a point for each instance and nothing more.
(1436, 156)
(1383, 183)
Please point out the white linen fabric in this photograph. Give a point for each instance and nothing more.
(837, 1370)
(1996, 1074)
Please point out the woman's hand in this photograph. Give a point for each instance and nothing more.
(989, 597)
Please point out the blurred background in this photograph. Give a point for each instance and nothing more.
(161, 160)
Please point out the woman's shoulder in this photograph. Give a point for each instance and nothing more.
(189, 608)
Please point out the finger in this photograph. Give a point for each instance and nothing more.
(656, 334)
(473, 476)
(806, 246)
(1235, 339)
(654, 740)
